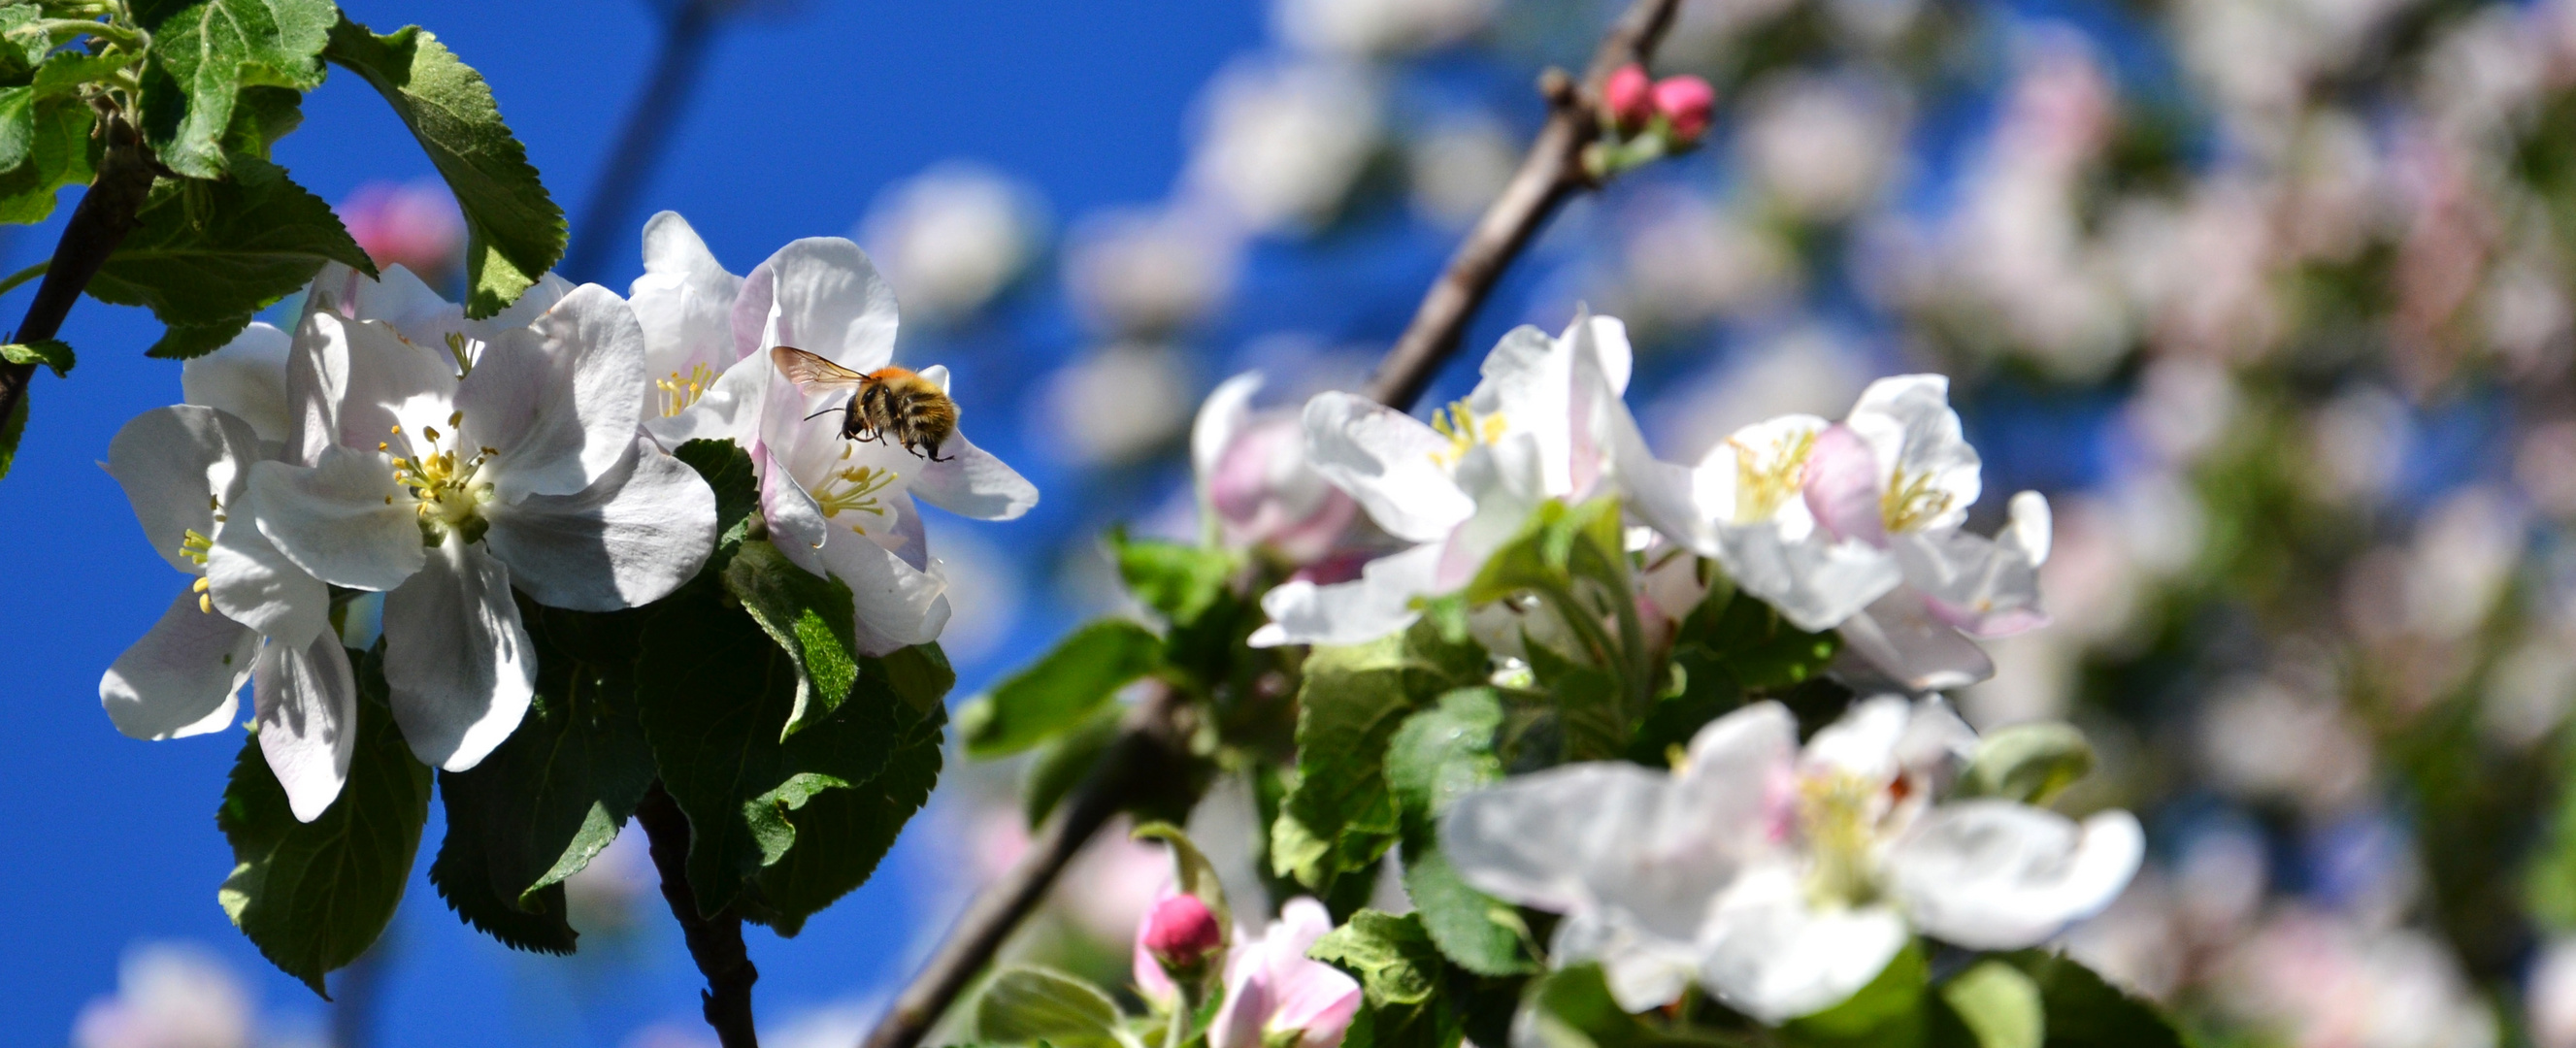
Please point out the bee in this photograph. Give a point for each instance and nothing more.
(888, 402)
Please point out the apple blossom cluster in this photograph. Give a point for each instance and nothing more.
(463, 469)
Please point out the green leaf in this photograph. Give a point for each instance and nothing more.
(2029, 763)
(545, 802)
(10, 430)
(920, 674)
(51, 352)
(17, 125)
(264, 115)
(1066, 760)
(1061, 689)
(1177, 580)
(2083, 1011)
(715, 693)
(1999, 1004)
(313, 895)
(1437, 756)
(1192, 871)
(1759, 648)
(514, 232)
(1349, 706)
(841, 834)
(1025, 1005)
(727, 470)
(203, 54)
(1400, 975)
(65, 71)
(205, 256)
(1557, 544)
(58, 155)
(810, 616)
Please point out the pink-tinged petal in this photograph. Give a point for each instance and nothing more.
(181, 679)
(1381, 602)
(1898, 638)
(1995, 875)
(247, 380)
(1222, 416)
(1389, 462)
(1813, 580)
(175, 463)
(557, 399)
(626, 541)
(1983, 587)
(1248, 1002)
(342, 520)
(820, 295)
(305, 700)
(972, 483)
(1843, 484)
(1152, 982)
(457, 660)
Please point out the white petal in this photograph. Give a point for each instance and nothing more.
(549, 291)
(317, 381)
(684, 301)
(1222, 415)
(1386, 460)
(793, 516)
(1528, 385)
(181, 678)
(897, 604)
(1770, 955)
(457, 660)
(1814, 580)
(1908, 422)
(388, 382)
(174, 463)
(823, 296)
(626, 541)
(306, 702)
(972, 483)
(558, 397)
(1377, 603)
(1538, 839)
(245, 379)
(254, 584)
(729, 410)
(2031, 526)
(1898, 637)
(334, 520)
(1863, 741)
(1644, 971)
(1995, 875)
(1983, 587)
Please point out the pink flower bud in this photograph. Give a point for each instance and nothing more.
(1629, 97)
(1686, 102)
(1181, 933)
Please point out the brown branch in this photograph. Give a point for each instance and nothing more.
(1149, 744)
(100, 222)
(714, 942)
(1551, 172)
(1150, 752)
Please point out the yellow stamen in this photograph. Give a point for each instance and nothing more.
(1465, 429)
(853, 489)
(1910, 500)
(679, 391)
(1834, 815)
(1765, 478)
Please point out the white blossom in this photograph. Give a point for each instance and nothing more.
(1783, 879)
(446, 490)
(1255, 487)
(953, 237)
(1281, 144)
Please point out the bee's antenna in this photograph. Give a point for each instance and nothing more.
(820, 414)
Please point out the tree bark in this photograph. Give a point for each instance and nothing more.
(98, 224)
(714, 942)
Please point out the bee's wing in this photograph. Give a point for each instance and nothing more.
(811, 373)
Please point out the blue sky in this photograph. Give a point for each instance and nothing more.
(805, 113)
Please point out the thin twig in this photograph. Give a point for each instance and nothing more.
(1552, 171)
(1149, 745)
(714, 942)
(100, 222)
(641, 144)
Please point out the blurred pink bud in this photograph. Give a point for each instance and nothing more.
(1686, 101)
(1629, 97)
(1181, 933)
(415, 226)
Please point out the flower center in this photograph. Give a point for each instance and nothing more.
(1465, 429)
(1909, 500)
(678, 391)
(853, 489)
(1766, 477)
(443, 483)
(1835, 817)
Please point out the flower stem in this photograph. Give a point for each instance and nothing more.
(714, 942)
